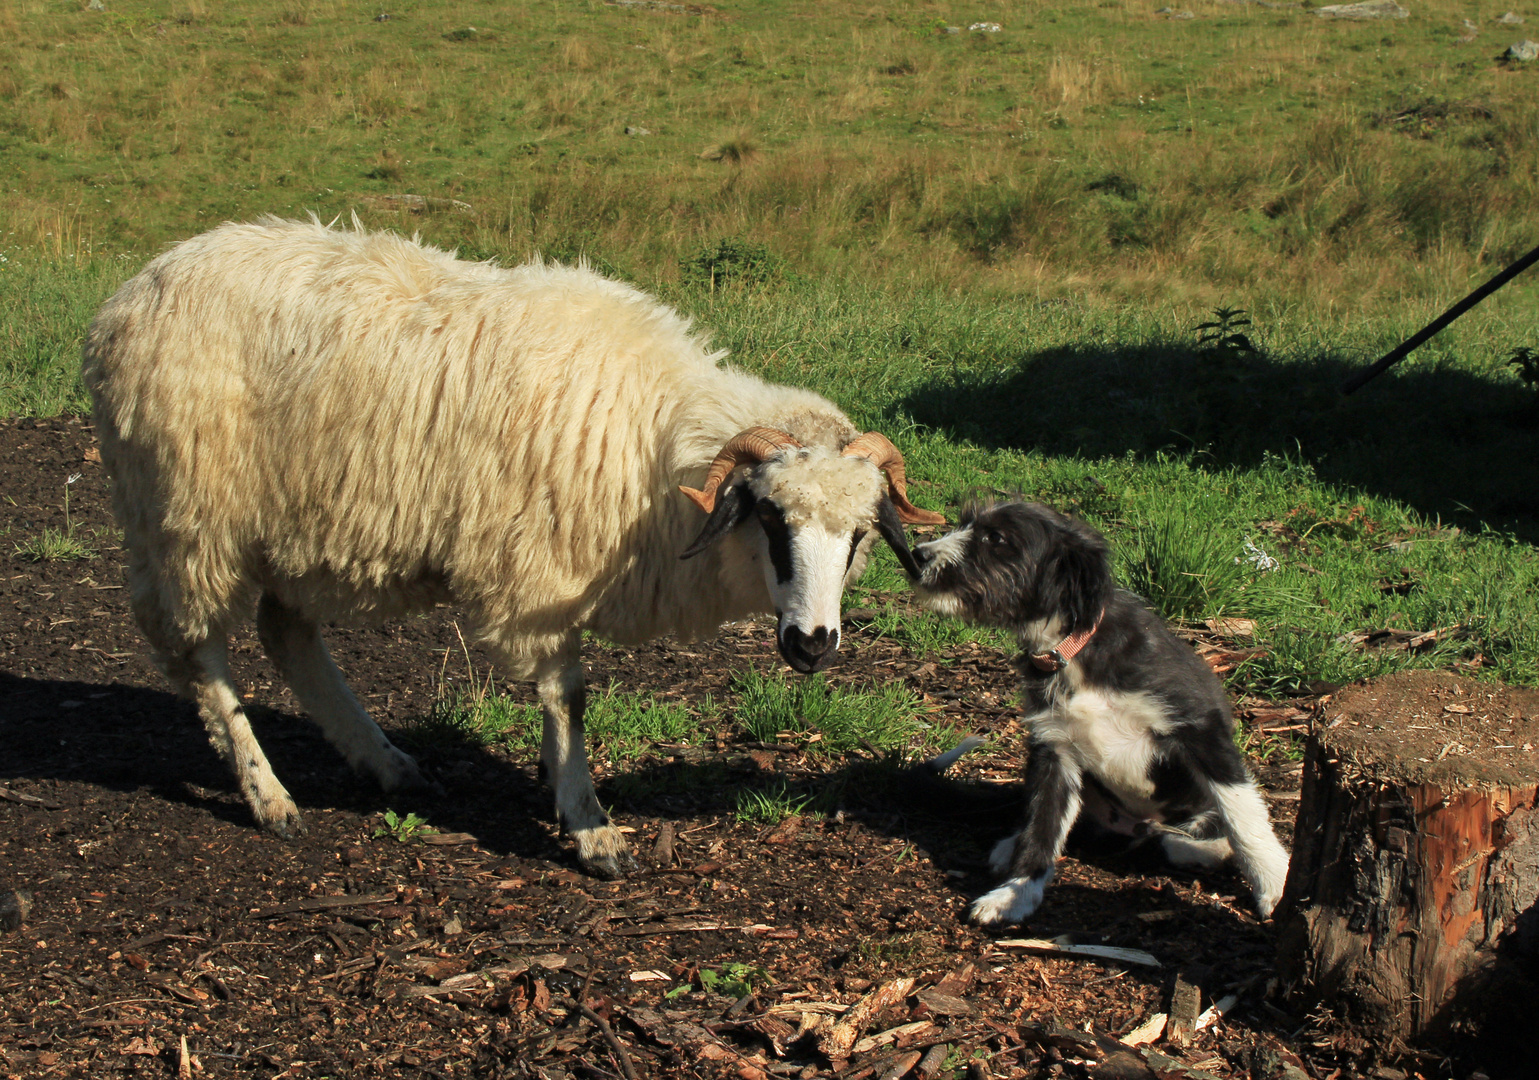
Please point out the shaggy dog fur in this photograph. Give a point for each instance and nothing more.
(1133, 730)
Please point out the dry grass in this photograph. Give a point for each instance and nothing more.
(1234, 154)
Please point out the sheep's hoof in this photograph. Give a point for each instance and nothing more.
(603, 853)
(398, 771)
(287, 826)
(609, 867)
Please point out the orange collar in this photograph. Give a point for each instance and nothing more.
(1055, 659)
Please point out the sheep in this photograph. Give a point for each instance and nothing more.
(331, 424)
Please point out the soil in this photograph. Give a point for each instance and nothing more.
(166, 935)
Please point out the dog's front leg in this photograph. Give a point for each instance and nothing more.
(1052, 804)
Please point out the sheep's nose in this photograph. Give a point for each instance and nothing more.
(808, 652)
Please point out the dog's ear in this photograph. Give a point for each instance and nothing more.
(1077, 577)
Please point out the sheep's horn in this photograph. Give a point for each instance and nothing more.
(755, 444)
(878, 449)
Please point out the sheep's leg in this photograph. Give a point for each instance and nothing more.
(202, 673)
(601, 849)
(294, 643)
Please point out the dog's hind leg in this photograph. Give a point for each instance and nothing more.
(1219, 768)
(1053, 793)
(1262, 859)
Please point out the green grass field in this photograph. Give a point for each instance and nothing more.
(995, 246)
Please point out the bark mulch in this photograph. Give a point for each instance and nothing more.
(161, 934)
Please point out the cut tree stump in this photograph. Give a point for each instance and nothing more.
(1410, 907)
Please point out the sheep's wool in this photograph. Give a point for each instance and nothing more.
(364, 425)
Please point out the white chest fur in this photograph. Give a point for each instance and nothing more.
(1111, 737)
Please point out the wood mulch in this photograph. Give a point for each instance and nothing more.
(163, 935)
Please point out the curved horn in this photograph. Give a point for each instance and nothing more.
(755, 444)
(879, 450)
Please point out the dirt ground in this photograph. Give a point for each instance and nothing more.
(167, 936)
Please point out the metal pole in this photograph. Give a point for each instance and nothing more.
(1411, 343)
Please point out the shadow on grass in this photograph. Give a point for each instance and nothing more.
(1446, 442)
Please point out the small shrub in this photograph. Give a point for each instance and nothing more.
(1526, 360)
(731, 261)
(1223, 332)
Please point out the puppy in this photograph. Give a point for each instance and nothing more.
(1128, 725)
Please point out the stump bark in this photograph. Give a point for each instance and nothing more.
(1410, 907)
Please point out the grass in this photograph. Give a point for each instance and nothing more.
(57, 545)
(769, 806)
(1246, 155)
(1114, 262)
(54, 545)
(621, 725)
(828, 720)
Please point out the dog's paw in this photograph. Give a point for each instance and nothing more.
(1002, 856)
(1269, 878)
(1013, 901)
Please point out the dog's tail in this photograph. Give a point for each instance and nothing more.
(971, 801)
(938, 765)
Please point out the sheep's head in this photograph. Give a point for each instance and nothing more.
(813, 515)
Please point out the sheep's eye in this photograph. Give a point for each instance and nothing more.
(768, 512)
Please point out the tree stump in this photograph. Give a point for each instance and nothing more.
(1410, 907)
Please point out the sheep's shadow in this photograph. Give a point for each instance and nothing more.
(126, 738)
(1450, 443)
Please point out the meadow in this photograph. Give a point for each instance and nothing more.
(1000, 246)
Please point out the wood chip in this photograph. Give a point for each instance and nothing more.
(1147, 1032)
(1215, 1012)
(835, 1043)
(1060, 946)
(324, 903)
(662, 851)
(892, 1035)
(447, 839)
(1185, 999)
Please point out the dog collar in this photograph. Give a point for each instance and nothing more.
(1055, 659)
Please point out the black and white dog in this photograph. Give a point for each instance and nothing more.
(1128, 725)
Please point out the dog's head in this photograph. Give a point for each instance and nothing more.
(1015, 565)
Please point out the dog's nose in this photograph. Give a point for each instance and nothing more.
(923, 556)
(808, 652)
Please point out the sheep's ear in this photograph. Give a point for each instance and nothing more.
(733, 505)
(890, 525)
(1077, 577)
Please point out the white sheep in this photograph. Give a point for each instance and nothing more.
(336, 425)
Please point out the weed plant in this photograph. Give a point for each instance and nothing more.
(57, 545)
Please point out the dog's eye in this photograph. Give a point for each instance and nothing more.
(995, 539)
